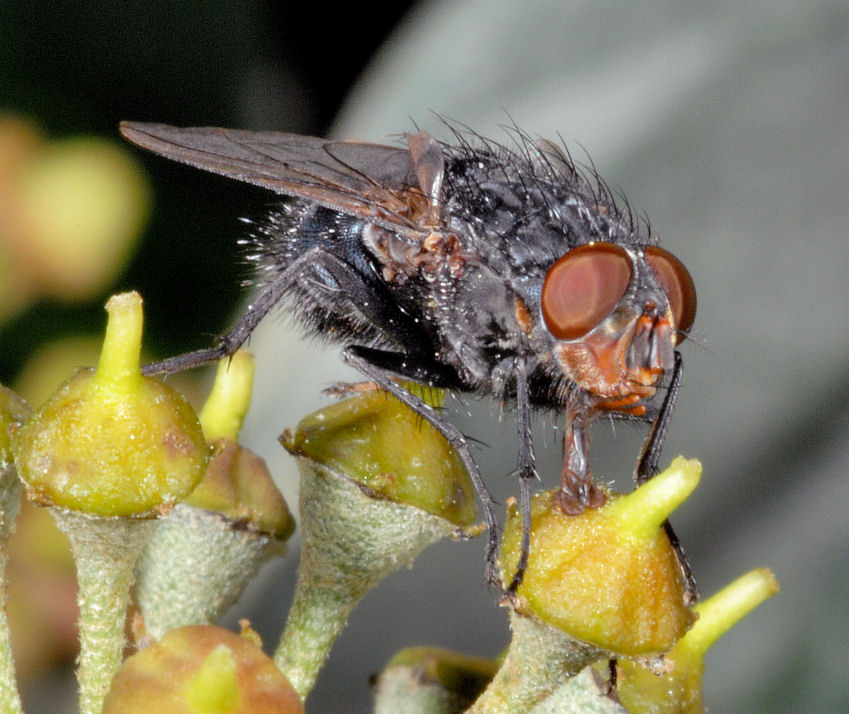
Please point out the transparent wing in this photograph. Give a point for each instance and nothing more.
(369, 180)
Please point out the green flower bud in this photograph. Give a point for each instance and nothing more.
(391, 452)
(609, 576)
(109, 450)
(677, 688)
(212, 544)
(238, 486)
(431, 680)
(237, 483)
(378, 485)
(604, 581)
(111, 442)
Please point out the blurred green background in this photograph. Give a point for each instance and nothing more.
(78, 68)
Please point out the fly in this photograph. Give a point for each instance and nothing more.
(468, 266)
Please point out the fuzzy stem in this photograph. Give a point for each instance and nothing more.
(10, 700)
(318, 614)
(10, 499)
(582, 694)
(350, 542)
(539, 659)
(105, 551)
(195, 566)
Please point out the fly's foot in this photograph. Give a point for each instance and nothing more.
(572, 498)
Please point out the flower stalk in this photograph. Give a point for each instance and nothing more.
(209, 547)
(378, 485)
(108, 452)
(105, 551)
(13, 412)
(540, 657)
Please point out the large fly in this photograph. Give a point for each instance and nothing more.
(466, 266)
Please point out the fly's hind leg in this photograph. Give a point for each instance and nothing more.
(375, 307)
(369, 300)
(228, 343)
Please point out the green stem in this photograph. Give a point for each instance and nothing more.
(10, 700)
(10, 502)
(105, 551)
(582, 693)
(350, 542)
(539, 659)
(318, 614)
(195, 566)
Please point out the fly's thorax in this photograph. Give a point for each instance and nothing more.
(482, 321)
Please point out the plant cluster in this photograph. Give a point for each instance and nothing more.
(169, 518)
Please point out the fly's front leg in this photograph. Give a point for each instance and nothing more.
(368, 362)
(578, 491)
(647, 467)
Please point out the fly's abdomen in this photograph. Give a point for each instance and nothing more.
(340, 293)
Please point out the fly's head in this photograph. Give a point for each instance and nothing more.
(615, 315)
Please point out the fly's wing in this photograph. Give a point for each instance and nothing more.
(373, 181)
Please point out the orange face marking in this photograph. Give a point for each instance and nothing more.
(599, 364)
(523, 316)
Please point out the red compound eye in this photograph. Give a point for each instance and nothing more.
(676, 282)
(583, 287)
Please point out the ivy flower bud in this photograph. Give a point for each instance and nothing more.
(604, 581)
(391, 452)
(609, 576)
(431, 680)
(211, 545)
(678, 687)
(111, 442)
(378, 485)
(201, 669)
(109, 451)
